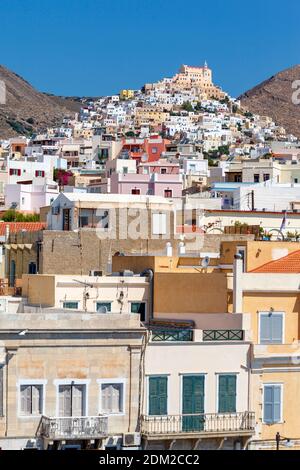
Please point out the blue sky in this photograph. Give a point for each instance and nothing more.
(97, 47)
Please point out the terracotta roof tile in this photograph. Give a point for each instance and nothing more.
(15, 227)
(287, 264)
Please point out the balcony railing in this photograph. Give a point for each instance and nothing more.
(223, 335)
(162, 334)
(83, 427)
(223, 423)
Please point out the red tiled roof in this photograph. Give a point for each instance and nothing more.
(15, 227)
(287, 264)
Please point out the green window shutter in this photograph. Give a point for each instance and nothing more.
(158, 396)
(227, 393)
(193, 403)
(193, 394)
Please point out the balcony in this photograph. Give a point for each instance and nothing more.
(84, 427)
(171, 334)
(203, 425)
(223, 335)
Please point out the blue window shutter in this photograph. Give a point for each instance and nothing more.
(268, 404)
(265, 328)
(271, 328)
(277, 403)
(272, 403)
(277, 324)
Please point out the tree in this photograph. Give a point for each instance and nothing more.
(12, 215)
(129, 134)
(187, 106)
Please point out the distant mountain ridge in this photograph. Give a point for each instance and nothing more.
(273, 98)
(28, 110)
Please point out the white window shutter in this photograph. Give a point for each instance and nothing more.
(36, 399)
(77, 400)
(159, 224)
(65, 400)
(115, 398)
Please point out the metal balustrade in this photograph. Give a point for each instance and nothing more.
(223, 335)
(162, 334)
(208, 423)
(82, 427)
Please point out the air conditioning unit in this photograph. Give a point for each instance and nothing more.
(132, 439)
(55, 210)
(95, 273)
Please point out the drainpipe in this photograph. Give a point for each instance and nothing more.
(238, 284)
(6, 252)
(150, 274)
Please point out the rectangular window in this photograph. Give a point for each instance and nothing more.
(136, 191)
(270, 328)
(112, 398)
(140, 308)
(272, 403)
(256, 178)
(71, 305)
(168, 193)
(163, 171)
(83, 221)
(103, 307)
(39, 173)
(266, 176)
(102, 218)
(31, 400)
(15, 171)
(72, 399)
(158, 396)
(227, 394)
(159, 224)
(241, 250)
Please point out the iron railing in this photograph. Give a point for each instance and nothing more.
(208, 423)
(162, 334)
(82, 427)
(223, 335)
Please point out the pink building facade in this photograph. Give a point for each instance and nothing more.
(155, 184)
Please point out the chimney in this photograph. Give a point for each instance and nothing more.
(169, 249)
(238, 284)
(181, 248)
(6, 232)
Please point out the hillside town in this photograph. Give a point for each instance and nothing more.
(159, 223)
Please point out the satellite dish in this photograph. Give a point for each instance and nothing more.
(205, 262)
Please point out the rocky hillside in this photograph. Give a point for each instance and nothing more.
(274, 98)
(28, 110)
